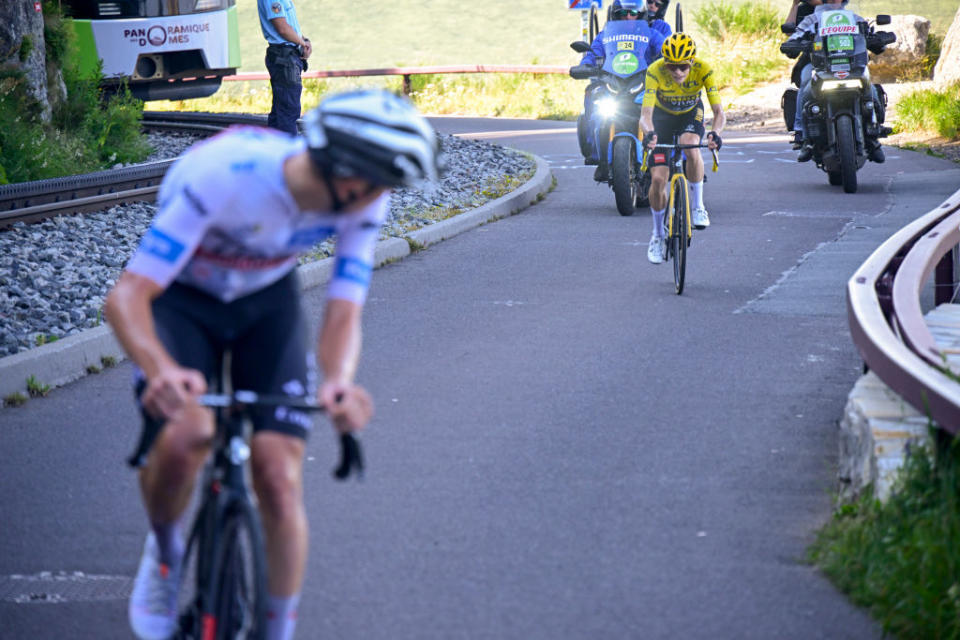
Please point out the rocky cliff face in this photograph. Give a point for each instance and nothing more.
(947, 70)
(22, 47)
(907, 52)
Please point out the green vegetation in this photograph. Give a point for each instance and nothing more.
(723, 20)
(37, 389)
(45, 338)
(108, 361)
(15, 399)
(88, 131)
(900, 559)
(741, 41)
(930, 111)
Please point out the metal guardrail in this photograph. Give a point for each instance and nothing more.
(407, 72)
(887, 323)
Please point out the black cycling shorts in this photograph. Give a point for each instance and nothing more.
(266, 334)
(666, 125)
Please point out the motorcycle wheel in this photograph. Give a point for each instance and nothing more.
(846, 146)
(624, 176)
(585, 149)
(643, 190)
(835, 178)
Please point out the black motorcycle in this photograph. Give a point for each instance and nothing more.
(842, 117)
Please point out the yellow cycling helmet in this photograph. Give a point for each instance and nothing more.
(677, 48)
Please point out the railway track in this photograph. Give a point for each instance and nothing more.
(40, 199)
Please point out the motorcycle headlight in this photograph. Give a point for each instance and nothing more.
(637, 88)
(833, 85)
(607, 107)
(613, 88)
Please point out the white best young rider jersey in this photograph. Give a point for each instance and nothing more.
(227, 224)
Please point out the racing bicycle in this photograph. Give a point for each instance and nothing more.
(679, 228)
(223, 576)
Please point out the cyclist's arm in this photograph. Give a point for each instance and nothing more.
(716, 104)
(348, 405)
(719, 118)
(646, 118)
(128, 311)
(340, 340)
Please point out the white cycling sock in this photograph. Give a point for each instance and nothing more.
(696, 190)
(281, 616)
(658, 221)
(169, 542)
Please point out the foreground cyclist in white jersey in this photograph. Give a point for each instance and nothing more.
(216, 271)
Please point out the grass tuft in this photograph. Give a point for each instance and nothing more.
(931, 111)
(900, 558)
(15, 399)
(37, 389)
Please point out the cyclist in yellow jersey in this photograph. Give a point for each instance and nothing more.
(671, 105)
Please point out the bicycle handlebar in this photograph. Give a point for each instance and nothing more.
(351, 453)
(647, 150)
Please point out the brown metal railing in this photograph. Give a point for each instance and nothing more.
(887, 323)
(407, 72)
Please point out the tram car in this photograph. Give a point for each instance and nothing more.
(162, 49)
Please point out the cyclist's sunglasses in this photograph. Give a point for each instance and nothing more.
(627, 12)
(683, 66)
(655, 3)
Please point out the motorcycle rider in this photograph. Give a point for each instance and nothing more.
(802, 69)
(672, 105)
(641, 33)
(656, 10)
(794, 46)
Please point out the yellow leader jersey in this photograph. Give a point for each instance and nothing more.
(675, 98)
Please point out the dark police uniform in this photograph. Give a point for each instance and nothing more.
(284, 63)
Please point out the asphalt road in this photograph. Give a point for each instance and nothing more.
(563, 447)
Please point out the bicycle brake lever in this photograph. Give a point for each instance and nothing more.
(351, 458)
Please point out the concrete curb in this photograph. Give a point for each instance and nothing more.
(71, 358)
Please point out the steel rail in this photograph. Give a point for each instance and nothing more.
(40, 199)
(886, 320)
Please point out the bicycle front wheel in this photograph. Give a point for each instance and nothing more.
(240, 590)
(680, 224)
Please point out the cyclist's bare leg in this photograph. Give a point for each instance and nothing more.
(166, 481)
(277, 465)
(694, 159)
(658, 187)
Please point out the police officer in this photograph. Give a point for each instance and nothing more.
(287, 53)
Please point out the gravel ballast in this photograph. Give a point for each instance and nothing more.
(55, 274)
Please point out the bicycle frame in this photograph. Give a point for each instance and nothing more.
(226, 507)
(676, 172)
(678, 187)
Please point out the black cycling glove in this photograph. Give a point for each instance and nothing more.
(646, 138)
(713, 135)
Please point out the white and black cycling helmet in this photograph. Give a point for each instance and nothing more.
(375, 135)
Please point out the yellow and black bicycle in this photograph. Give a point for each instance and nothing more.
(679, 228)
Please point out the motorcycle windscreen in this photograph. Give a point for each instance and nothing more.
(625, 45)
